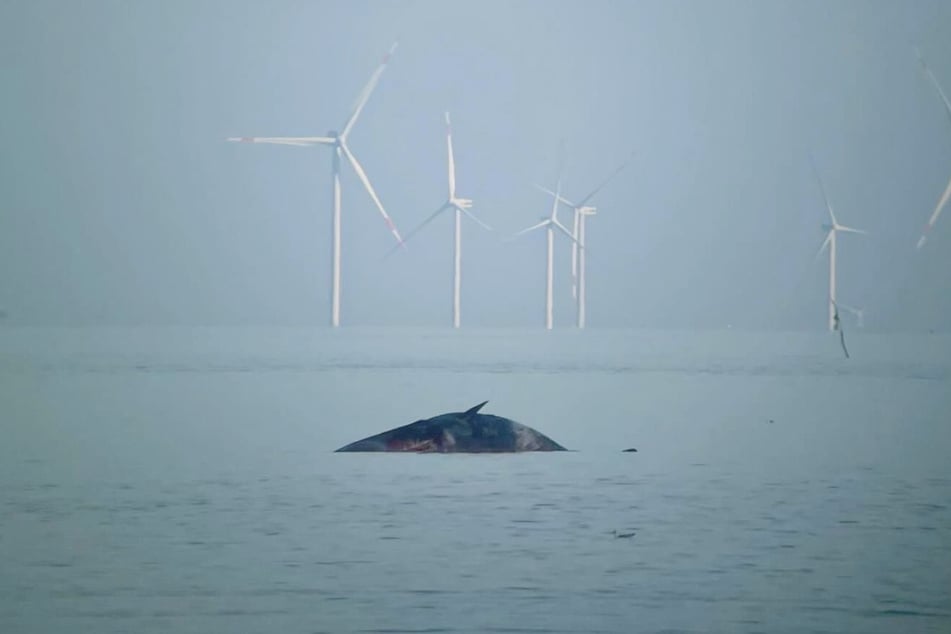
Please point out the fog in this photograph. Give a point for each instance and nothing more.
(121, 203)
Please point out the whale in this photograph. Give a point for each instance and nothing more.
(458, 432)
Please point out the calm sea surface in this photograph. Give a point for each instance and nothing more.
(183, 480)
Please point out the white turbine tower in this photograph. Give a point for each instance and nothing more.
(947, 190)
(579, 246)
(337, 141)
(460, 206)
(832, 230)
(550, 223)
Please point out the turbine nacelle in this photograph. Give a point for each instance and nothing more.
(461, 203)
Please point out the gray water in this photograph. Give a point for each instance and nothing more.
(183, 480)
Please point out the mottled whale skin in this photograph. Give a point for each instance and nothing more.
(459, 432)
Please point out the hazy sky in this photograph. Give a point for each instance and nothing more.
(121, 202)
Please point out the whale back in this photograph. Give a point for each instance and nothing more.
(458, 432)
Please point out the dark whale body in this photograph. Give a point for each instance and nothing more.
(459, 432)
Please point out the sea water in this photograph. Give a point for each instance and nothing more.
(183, 480)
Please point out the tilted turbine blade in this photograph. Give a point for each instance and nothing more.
(565, 231)
(554, 201)
(543, 223)
(935, 214)
(283, 140)
(850, 229)
(452, 162)
(366, 183)
(561, 199)
(947, 191)
(934, 81)
(607, 180)
(825, 243)
(367, 91)
(561, 167)
(822, 187)
(412, 233)
(473, 216)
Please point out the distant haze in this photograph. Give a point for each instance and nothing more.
(122, 203)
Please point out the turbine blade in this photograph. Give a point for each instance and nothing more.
(822, 187)
(283, 140)
(607, 180)
(565, 231)
(452, 162)
(825, 243)
(561, 167)
(473, 216)
(412, 233)
(366, 183)
(561, 199)
(934, 81)
(850, 229)
(367, 91)
(947, 191)
(555, 199)
(935, 214)
(543, 223)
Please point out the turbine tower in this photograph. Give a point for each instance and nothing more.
(550, 223)
(459, 206)
(832, 229)
(579, 246)
(947, 190)
(337, 141)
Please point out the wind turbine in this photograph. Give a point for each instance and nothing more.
(947, 191)
(832, 230)
(550, 223)
(337, 141)
(460, 206)
(579, 246)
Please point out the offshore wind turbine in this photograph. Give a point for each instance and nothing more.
(337, 141)
(550, 223)
(947, 190)
(459, 206)
(578, 248)
(832, 228)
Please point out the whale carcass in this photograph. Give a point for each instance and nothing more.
(459, 432)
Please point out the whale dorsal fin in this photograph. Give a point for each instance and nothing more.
(474, 410)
